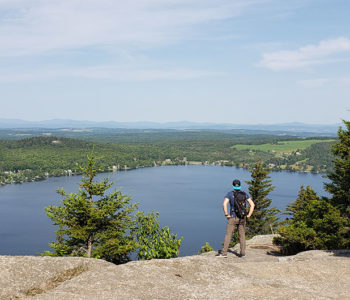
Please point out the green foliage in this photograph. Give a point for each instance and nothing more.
(36, 158)
(339, 187)
(205, 248)
(153, 240)
(92, 223)
(319, 157)
(295, 238)
(296, 208)
(314, 224)
(322, 223)
(263, 219)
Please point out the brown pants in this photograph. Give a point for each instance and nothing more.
(230, 226)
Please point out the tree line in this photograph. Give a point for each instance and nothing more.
(36, 158)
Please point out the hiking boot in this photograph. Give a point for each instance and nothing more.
(221, 255)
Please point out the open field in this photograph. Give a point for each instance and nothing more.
(279, 147)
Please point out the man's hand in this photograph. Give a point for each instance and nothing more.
(228, 217)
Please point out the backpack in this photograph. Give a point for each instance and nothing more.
(239, 204)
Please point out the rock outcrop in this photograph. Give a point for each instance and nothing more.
(262, 274)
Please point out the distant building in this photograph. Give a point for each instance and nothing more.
(194, 162)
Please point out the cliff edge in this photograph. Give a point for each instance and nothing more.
(262, 274)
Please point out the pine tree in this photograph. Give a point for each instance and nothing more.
(314, 224)
(304, 196)
(263, 219)
(339, 187)
(92, 223)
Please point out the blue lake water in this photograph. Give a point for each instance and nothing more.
(188, 198)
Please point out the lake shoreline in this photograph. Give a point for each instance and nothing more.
(69, 173)
(38, 178)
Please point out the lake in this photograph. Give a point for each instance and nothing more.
(188, 198)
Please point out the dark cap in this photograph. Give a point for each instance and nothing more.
(236, 182)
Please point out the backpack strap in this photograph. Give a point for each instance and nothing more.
(232, 202)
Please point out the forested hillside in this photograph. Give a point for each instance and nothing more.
(36, 158)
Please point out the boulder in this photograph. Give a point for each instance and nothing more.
(261, 274)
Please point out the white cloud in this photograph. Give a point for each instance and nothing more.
(313, 83)
(142, 74)
(37, 26)
(106, 72)
(306, 56)
(320, 82)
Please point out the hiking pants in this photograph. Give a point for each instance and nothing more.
(230, 226)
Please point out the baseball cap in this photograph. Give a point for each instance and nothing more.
(236, 183)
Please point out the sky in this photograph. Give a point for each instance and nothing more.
(217, 61)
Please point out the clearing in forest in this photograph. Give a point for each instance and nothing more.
(285, 146)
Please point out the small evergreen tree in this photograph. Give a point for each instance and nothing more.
(92, 223)
(314, 224)
(205, 248)
(263, 219)
(304, 196)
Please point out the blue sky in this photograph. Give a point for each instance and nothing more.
(222, 61)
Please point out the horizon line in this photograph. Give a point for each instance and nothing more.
(168, 122)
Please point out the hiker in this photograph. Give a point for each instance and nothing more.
(237, 217)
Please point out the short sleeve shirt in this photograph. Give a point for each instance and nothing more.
(230, 196)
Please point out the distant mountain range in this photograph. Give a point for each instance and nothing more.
(326, 129)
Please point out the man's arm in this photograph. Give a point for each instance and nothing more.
(251, 207)
(224, 207)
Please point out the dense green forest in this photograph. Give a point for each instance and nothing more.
(36, 158)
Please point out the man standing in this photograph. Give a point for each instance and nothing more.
(237, 216)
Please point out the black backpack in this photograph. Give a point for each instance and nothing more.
(239, 205)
